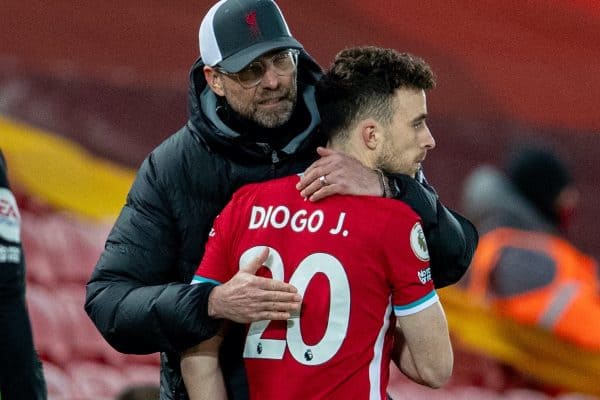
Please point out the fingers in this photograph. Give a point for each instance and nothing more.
(246, 278)
(309, 182)
(313, 187)
(271, 315)
(256, 262)
(261, 305)
(291, 295)
(273, 285)
(325, 191)
(268, 295)
(245, 304)
(313, 183)
(246, 298)
(337, 173)
(275, 310)
(336, 182)
(267, 290)
(321, 167)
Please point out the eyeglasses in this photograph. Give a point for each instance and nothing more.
(284, 64)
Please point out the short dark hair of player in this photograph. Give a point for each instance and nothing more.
(361, 84)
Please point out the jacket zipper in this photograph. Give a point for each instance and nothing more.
(274, 161)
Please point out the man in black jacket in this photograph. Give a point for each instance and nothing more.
(21, 374)
(252, 117)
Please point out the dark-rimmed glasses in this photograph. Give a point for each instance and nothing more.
(284, 64)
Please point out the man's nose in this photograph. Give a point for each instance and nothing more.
(429, 140)
(270, 79)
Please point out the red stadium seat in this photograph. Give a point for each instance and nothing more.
(401, 388)
(79, 248)
(86, 341)
(472, 369)
(517, 394)
(48, 321)
(90, 380)
(57, 382)
(40, 268)
(60, 248)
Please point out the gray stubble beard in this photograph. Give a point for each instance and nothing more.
(272, 119)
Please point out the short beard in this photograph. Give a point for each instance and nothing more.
(268, 119)
(385, 157)
(275, 119)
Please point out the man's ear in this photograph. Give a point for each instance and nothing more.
(371, 133)
(214, 80)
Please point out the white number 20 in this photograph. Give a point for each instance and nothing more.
(339, 310)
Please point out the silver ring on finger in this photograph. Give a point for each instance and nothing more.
(323, 180)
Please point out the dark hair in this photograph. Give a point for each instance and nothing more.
(539, 174)
(361, 83)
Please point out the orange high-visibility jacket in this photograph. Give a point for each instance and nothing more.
(539, 279)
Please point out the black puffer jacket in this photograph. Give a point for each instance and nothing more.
(138, 295)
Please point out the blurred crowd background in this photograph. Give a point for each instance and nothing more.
(87, 89)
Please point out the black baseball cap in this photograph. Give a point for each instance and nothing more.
(235, 32)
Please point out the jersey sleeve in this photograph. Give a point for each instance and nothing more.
(217, 265)
(409, 271)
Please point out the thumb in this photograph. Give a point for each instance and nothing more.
(256, 262)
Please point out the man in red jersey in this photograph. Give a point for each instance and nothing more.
(361, 264)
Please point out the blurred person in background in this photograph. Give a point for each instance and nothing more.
(373, 104)
(21, 375)
(525, 266)
(253, 117)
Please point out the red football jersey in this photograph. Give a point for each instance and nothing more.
(356, 261)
